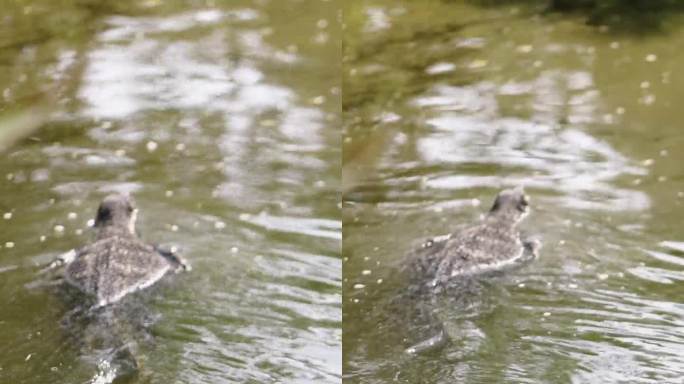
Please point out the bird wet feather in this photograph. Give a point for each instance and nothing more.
(491, 245)
(118, 262)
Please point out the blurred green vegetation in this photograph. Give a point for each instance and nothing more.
(626, 16)
(623, 15)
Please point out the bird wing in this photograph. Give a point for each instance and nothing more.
(478, 249)
(178, 263)
(113, 267)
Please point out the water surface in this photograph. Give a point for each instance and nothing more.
(221, 118)
(446, 103)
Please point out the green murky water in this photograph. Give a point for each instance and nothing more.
(446, 103)
(222, 118)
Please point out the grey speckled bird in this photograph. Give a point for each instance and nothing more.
(495, 244)
(117, 262)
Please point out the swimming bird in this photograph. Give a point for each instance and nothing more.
(117, 262)
(492, 245)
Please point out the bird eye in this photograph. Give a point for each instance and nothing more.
(103, 215)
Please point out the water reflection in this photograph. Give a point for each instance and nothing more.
(211, 117)
(491, 97)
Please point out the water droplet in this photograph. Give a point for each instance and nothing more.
(439, 68)
(219, 225)
(648, 99)
(268, 123)
(359, 286)
(72, 216)
(7, 215)
(608, 118)
(524, 48)
(476, 64)
(651, 58)
(9, 244)
(366, 272)
(151, 146)
(59, 228)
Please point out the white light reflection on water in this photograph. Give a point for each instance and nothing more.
(469, 128)
(195, 113)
